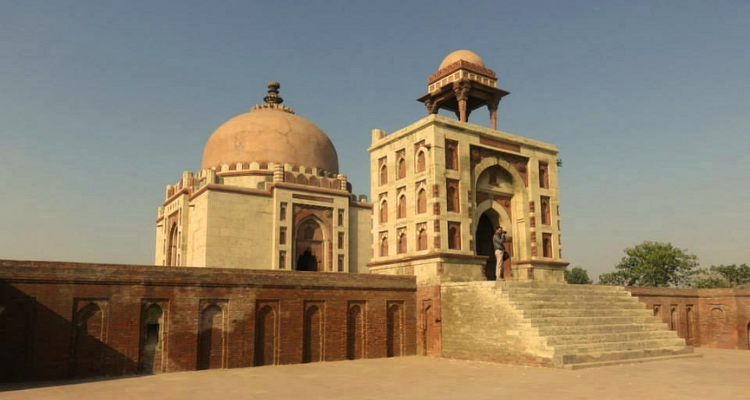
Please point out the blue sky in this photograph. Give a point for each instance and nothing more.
(103, 103)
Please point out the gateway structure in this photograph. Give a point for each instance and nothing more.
(440, 187)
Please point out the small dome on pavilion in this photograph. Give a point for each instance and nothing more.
(465, 55)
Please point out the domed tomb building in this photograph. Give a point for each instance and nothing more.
(269, 195)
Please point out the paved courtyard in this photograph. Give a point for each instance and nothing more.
(720, 374)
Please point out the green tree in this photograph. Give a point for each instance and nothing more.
(577, 276)
(653, 264)
(616, 278)
(722, 276)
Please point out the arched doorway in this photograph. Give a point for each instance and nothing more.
(488, 222)
(483, 237)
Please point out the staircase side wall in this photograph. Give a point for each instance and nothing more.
(478, 323)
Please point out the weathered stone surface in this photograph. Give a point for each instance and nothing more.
(550, 325)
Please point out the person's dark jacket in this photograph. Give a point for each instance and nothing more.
(497, 241)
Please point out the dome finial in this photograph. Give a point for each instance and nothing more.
(273, 93)
(273, 100)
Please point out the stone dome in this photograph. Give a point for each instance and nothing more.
(465, 55)
(271, 133)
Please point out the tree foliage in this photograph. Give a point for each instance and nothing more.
(577, 276)
(722, 276)
(654, 264)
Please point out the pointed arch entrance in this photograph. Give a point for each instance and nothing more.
(500, 193)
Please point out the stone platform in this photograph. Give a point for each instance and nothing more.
(555, 325)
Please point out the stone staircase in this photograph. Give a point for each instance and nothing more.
(588, 325)
(560, 325)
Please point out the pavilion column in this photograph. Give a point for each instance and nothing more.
(461, 89)
(492, 105)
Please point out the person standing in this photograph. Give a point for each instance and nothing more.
(497, 242)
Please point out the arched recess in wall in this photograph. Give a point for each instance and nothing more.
(395, 332)
(402, 242)
(171, 259)
(451, 199)
(355, 339)
(401, 206)
(310, 245)
(265, 336)
(421, 201)
(151, 349)
(401, 168)
(421, 161)
(211, 338)
(384, 211)
(384, 246)
(518, 202)
(88, 346)
(454, 236)
(384, 175)
(312, 335)
(422, 239)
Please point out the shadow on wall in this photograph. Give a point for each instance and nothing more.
(36, 343)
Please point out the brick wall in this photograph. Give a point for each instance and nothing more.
(61, 320)
(717, 318)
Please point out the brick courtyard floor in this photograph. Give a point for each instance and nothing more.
(720, 374)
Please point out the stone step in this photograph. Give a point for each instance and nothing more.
(594, 329)
(593, 338)
(569, 297)
(582, 312)
(610, 363)
(539, 285)
(588, 304)
(571, 359)
(586, 321)
(563, 292)
(618, 346)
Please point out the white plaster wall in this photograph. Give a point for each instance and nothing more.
(359, 239)
(238, 231)
(196, 237)
(247, 181)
